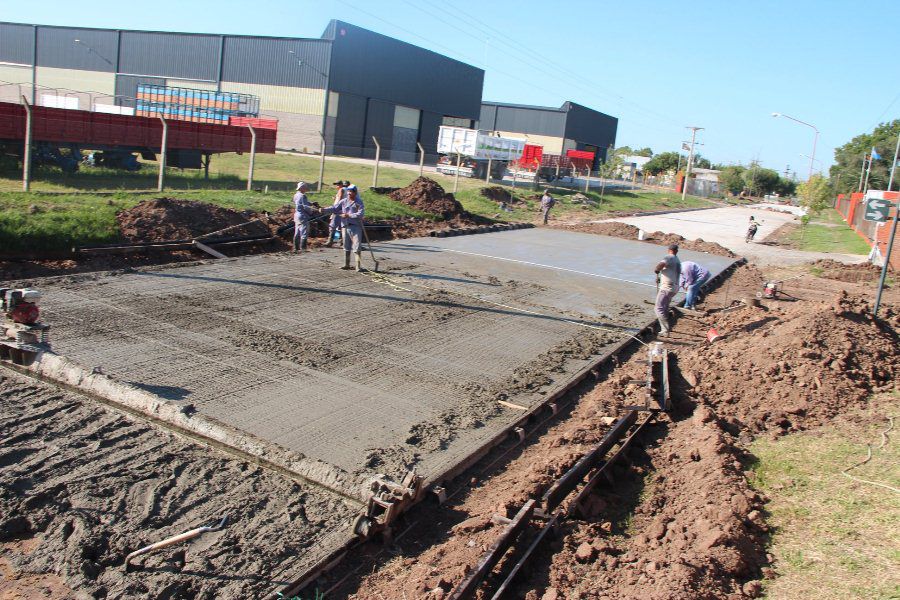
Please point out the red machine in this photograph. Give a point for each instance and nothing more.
(22, 336)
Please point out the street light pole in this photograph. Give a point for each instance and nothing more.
(815, 139)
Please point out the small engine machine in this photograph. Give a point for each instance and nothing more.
(22, 335)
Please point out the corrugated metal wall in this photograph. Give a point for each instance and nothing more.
(177, 55)
(376, 66)
(350, 126)
(96, 49)
(16, 43)
(428, 133)
(380, 124)
(271, 61)
(589, 126)
(126, 87)
(523, 119)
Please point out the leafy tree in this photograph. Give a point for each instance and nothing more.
(815, 194)
(849, 159)
(731, 180)
(701, 162)
(644, 152)
(760, 181)
(785, 187)
(662, 163)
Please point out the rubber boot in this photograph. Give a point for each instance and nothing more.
(303, 244)
(330, 238)
(346, 266)
(359, 268)
(294, 245)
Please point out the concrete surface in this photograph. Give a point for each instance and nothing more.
(365, 372)
(728, 227)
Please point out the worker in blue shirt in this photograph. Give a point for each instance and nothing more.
(693, 276)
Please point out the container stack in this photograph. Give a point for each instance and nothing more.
(194, 105)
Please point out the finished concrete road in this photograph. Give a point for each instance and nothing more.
(728, 227)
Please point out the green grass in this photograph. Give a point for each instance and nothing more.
(834, 538)
(816, 237)
(63, 210)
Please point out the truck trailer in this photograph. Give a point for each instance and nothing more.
(475, 151)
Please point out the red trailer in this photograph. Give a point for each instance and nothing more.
(85, 130)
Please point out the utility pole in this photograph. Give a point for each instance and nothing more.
(687, 173)
(890, 246)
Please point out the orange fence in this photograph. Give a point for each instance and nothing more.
(852, 208)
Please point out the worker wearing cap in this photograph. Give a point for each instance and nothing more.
(303, 211)
(351, 211)
(668, 275)
(693, 276)
(334, 223)
(547, 202)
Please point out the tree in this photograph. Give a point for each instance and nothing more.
(662, 163)
(731, 180)
(849, 159)
(629, 151)
(760, 181)
(701, 162)
(815, 194)
(644, 152)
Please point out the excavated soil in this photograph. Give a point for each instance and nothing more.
(81, 487)
(428, 196)
(630, 232)
(859, 273)
(680, 521)
(499, 194)
(168, 219)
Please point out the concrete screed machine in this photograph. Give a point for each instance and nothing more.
(22, 335)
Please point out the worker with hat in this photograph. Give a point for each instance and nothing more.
(303, 211)
(334, 223)
(668, 275)
(351, 211)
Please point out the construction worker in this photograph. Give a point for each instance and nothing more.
(351, 211)
(303, 211)
(334, 223)
(547, 202)
(668, 275)
(751, 231)
(693, 276)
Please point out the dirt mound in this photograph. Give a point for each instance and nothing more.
(167, 219)
(784, 369)
(859, 273)
(697, 532)
(428, 196)
(497, 194)
(630, 232)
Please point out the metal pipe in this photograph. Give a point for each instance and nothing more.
(26, 150)
(487, 175)
(421, 158)
(162, 155)
(252, 157)
(321, 181)
(456, 179)
(377, 160)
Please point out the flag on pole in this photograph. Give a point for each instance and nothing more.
(875, 155)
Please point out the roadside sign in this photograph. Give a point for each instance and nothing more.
(877, 210)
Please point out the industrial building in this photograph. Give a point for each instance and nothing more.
(569, 127)
(351, 83)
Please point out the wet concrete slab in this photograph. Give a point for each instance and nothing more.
(372, 372)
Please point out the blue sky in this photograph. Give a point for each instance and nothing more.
(657, 66)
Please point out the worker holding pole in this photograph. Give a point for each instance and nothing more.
(668, 274)
(334, 223)
(303, 212)
(350, 210)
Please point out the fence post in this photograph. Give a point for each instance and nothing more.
(456, 179)
(587, 180)
(421, 158)
(26, 150)
(252, 157)
(320, 184)
(377, 160)
(487, 175)
(162, 155)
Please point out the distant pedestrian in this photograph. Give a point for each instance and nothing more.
(334, 223)
(303, 211)
(693, 276)
(668, 274)
(547, 202)
(351, 212)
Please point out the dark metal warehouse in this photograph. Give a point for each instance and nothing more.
(569, 127)
(352, 83)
